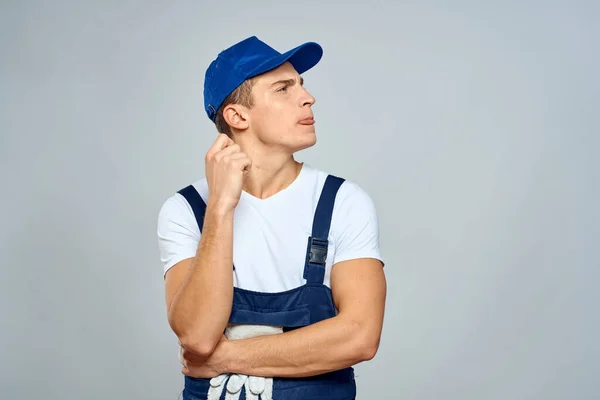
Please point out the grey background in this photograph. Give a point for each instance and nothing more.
(473, 125)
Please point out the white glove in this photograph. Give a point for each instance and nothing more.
(258, 386)
(254, 386)
(234, 386)
(181, 355)
(216, 386)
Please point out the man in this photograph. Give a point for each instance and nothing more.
(265, 240)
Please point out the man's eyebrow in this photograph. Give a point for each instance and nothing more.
(288, 82)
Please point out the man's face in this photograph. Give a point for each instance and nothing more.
(282, 115)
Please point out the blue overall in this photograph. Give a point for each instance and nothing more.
(291, 309)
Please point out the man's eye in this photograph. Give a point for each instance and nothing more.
(283, 89)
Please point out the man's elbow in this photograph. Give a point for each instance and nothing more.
(368, 352)
(190, 340)
(367, 347)
(201, 347)
(363, 338)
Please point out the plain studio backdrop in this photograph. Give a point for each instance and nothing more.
(473, 125)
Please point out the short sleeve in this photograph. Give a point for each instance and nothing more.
(355, 226)
(178, 232)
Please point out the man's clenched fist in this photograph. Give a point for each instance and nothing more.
(226, 167)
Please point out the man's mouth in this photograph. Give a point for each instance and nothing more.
(307, 121)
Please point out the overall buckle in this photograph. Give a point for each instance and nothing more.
(318, 251)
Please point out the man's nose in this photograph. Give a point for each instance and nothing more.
(307, 98)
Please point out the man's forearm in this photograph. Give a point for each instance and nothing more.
(200, 310)
(326, 346)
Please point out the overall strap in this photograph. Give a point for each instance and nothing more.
(195, 201)
(316, 252)
(198, 205)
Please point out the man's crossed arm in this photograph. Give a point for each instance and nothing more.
(359, 292)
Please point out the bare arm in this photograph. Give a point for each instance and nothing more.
(200, 290)
(351, 337)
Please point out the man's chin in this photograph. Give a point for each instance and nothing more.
(305, 141)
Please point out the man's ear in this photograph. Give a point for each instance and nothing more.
(236, 116)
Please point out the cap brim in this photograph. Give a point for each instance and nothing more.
(302, 58)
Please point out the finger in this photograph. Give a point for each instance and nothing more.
(233, 396)
(240, 160)
(218, 380)
(233, 149)
(236, 157)
(245, 164)
(236, 382)
(248, 392)
(256, 384)
(267, 394)
(220, 143)
(214, 392)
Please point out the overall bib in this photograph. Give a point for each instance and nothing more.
(291, 309)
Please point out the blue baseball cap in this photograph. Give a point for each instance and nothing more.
(247, 59)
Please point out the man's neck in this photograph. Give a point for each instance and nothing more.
(270, 175)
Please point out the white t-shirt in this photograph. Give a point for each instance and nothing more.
(270, 235)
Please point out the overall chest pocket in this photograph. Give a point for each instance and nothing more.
(295, 316)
